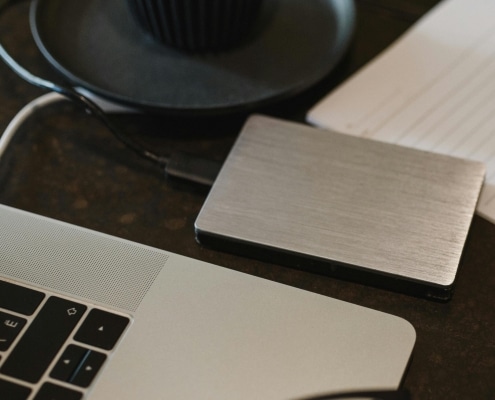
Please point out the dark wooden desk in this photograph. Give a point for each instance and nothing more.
(64, 164)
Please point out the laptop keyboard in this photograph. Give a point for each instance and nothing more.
(51, 348)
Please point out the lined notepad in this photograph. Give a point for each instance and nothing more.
(433, 89)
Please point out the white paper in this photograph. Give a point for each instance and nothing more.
(433, 89)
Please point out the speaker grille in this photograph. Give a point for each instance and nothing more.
(76, 261)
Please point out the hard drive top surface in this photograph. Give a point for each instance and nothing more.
(379, 207)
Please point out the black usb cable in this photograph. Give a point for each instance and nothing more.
(177, 166)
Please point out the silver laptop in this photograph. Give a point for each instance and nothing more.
(336, 204)
(84, 315)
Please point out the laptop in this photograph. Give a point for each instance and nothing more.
(84, 315)
(350, 207)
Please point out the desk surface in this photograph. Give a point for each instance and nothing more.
(65, 165)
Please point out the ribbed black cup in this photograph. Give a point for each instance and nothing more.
(196, 25)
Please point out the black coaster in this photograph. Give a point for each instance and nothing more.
(97, 45)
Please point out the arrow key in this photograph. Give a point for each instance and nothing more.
(68, 362)
(102, 329)
(88, 369)
(78, 365)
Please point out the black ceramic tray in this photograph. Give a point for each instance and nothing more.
(97, 45)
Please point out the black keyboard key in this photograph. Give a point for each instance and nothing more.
(78, 365)
(88, 368)
(19, 299)
(49, 391)
(68, 363)
(10, 326)
(13, 391)
(101, 329)
(43, 339)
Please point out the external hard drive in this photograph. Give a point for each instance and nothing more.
(355, 208)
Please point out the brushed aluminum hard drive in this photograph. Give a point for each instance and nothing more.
(379, 213)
